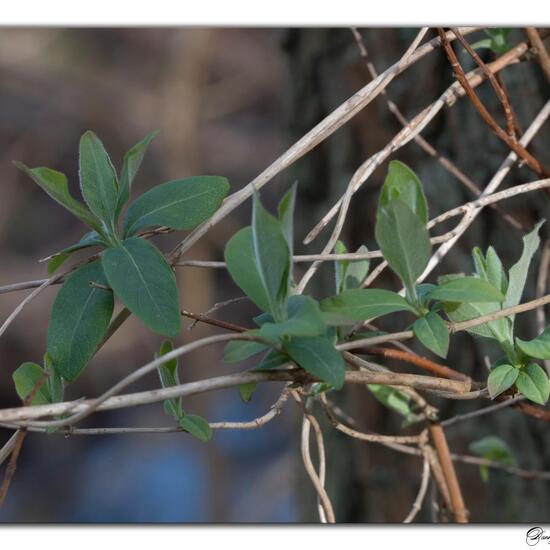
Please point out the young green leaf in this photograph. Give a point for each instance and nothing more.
(518, 272)
(26, 377)
(247, 390)
(403, 240)
(533, 383)
(196, 426)
(54, 382)
(304, 319)
(59, 258)
(98, 180)
(492, 448)
(259, 265)
(319, 357)
(130, 166)
(362, 304)
(79, 320)
(271, 257)
(55, 185)
(168, 374)
(539, 347)
(501, 378)
(432, 331)
(241, 264)
(356, 271)
(286, 216)
(397, 401)
(340, 266)
(179, 204)
(403, 184)
(272, 360)
(142, 279)
(239, 350)
(466, 289)
(495, 271)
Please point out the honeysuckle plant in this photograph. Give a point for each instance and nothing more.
(300, 329)
(292, 328)
(127, 266)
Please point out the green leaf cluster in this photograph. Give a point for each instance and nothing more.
(292, 327)
(129, 267)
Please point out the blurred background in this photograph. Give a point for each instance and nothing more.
(228, 102)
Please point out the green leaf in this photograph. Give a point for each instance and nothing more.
(495, 271)
(272, 360)
(79, 320)
(403, 240)
(179, 204)
(483, 43)
(257, 259)
(492, 448)
(304, 319)
(168, 374)
(432, 331)
(533, 383)
(362, 304)
(403, 184)
(466, 289)
(518, 272)
(319, 357)
(501, 378)
(98, 180)
(395, 400)
(196, 426)
(130, 166)
(286, 216)
(239, 350)
(55, 185)
(171, 366)
(539, 347)
(142, 279)
(246, 391)
(59, 258)
(241, 264)
(54, 382)
(340, 266)
(271, 257)
(25, 378)
(356, 271)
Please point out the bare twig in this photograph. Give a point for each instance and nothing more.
(417, 505)
(530, 161)
(424, 144)
(540, 50)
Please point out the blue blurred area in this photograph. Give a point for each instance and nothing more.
(122, 482)
(239, 476)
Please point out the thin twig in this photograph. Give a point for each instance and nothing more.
(529, 159)
(424, 144)
(417, 505)
(540, 50)
(480, 412)
(214, 322)
(503, 98)
(415, 126)
(422, 362)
